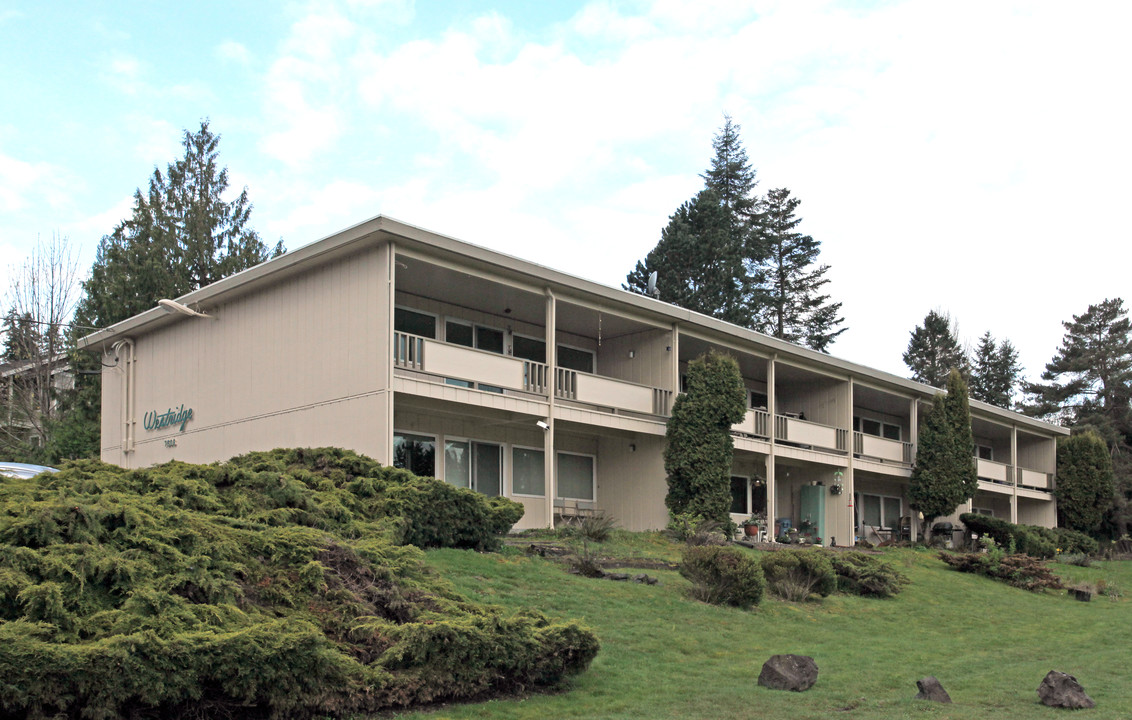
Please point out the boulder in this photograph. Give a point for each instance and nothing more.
(1061, 690)
(789, 672)
(930, 689)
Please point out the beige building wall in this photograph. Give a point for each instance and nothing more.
(1037, 454)
(1036, 512)
(651, 363)
(632, 483)
(300, 363)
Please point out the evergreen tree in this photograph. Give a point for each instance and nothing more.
(944, 475)
(695, 261)
(995, 372)
(699, 449)
(793, 307)
(181, 235)
(1088, 384)
(1084, 481)
(933, 351)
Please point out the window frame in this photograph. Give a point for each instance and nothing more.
(435, 317)
(593, 476)
(591, 353)
(511, 476)
(435, 442)
(894, 522)
(524, 336)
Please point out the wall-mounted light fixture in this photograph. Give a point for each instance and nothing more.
(172, 306)
(542, 424)
(632, 353)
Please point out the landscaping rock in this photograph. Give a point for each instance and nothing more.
(789, 672)
(645, 579)
(1061, 690)
(930, 689)
(617, 576)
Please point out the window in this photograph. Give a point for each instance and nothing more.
(477, 336)
(983, 511)
(747, 495)
(474, 465)
(891, 432)
(870, 427)
(414, 322)
(880, 510)
(984, 452)
(876, 428)
(415, 453)
(759, 400)
(575, 476)
(575, 359)
(528, 348)
(527, 476)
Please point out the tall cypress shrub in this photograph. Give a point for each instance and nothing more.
(697, 456)
(944, 475)
(1085, 485)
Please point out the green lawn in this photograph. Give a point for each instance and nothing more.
(666, 656)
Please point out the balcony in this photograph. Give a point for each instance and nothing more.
(1034, 479)
(994, 472)
(883, 449)
(810, 434)
(611, 393)
(485, 369)
(755, 423)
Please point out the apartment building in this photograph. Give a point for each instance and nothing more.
(514, 379)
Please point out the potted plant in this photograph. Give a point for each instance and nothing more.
(752, 524)
(838, 485)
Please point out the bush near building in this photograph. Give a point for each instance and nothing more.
(865, 575)
(797, 574)
(278, 583)
(723, 575)
(1031, 540)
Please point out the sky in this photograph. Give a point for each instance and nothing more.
(969, 157)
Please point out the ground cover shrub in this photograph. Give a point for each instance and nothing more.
(866, 575)
(693, 529)
(723, 575)
(1072, 541)
(278, 583)
(1017, 569)
(1032, 540)
(797, 574)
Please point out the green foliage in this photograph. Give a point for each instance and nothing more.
(692, 529)
(1084, 481)
(274, 583)
(1021, 571)
(943, 475)
(697, 456)
(866, 575)
(792, 307)
(995, 371)
(1032, 540)
(596, 528)
(934, 350)
(797, 574)
(723, 575)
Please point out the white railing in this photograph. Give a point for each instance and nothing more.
(756, 422)
(882, 448)
(408, 351)
(994, 471)
(1034, 479)
(610, 392)
(804, 432)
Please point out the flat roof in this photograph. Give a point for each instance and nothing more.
(382, 229)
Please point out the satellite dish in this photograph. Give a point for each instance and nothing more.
(651, 292)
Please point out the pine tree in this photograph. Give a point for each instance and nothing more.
(1084, 481)
(792, 307)
(699, 449)
(995, 371)
(933, 351)
(944, 474)
(181, 235)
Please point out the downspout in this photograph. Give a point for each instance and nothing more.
(129, 417)
(550, 484)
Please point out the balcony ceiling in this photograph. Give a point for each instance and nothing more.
(867, 398)
(427, 280)
(751, 367)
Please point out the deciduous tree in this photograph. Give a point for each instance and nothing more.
(944, 476)
(698, 453)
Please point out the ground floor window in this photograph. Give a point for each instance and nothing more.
(415, 453)
(527, 472)
(879, 510)
(575, 476)
(474, 465)
(747, 496)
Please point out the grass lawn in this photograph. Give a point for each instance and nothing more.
(664, 655)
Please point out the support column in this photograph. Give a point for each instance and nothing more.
(550, 467)
(914, 438)
(1014, 473)
(771, 484)
(771, 497)
(674, 380)
(849, 482)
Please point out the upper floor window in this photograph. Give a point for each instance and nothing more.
(984, 452)
(527, 348)
(575, 359)
(414, 322)
(477, 336)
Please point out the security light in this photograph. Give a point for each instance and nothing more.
(542, 425)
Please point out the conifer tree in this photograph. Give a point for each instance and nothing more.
(995, 371)
(944, 475)
(699, 449)
(1084, 481)
(933, 350)
(793, 308)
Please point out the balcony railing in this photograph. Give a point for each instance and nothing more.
(756, 422)
(610, 392)
(1035, 479)
(812, 434)
(880, 448)
(995, 472)
(456, 361)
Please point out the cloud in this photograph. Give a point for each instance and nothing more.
(234, 51)
(22, 183)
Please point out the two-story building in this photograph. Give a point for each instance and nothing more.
(514, 379)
